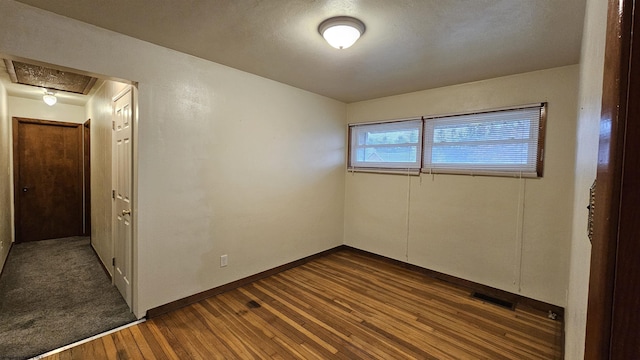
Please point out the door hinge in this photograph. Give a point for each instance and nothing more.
(113, 194)
(113, 124)
(113, 261)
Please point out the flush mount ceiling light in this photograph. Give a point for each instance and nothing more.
(341, 31)
(49, 98)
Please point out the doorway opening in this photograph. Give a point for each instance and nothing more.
(94, 167)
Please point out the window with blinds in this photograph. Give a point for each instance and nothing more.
(506, 142)
(392, 145)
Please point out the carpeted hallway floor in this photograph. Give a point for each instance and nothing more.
(52, 293)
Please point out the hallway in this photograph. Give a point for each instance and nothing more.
(52, 293)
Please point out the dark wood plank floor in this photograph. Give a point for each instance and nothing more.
(342, 306)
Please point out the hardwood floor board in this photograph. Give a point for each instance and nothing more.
(78, 352)
(142, 343)
(237, 302)
(230, 329)
(332, 336)
(109, 347)
(66, 355)
(176, 338)
(491, 331)
(389, 293)
(197, 341)
(332, 312)
(99, 352)
(159, 351)
(387, 312)
(476, 341)
(294, 321)
(272, 328)
(92, 351)
(352, 322)
(206, 336)
(127, 343)
(151, 328)
(218, 337)
(344, 305)
(371, 310)
(494, 323)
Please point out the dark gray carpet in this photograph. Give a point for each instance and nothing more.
(53, 293)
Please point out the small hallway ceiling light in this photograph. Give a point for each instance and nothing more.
(341, 31)
(49, 98)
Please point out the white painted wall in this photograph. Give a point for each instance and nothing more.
(471, 227)
(590, 102)
(6, 233)
(99, 110)
(37, 109)
(228, 162)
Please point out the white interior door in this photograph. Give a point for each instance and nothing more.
(122, 158)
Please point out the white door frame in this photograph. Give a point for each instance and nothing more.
(132, 264)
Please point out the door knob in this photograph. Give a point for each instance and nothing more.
(126, 212)
(25, 189)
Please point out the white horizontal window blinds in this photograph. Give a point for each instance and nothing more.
(492, 143)
(393, 145)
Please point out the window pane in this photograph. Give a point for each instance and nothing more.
(502, 130)
(500, 154)
(387, 154)
(410, 136)
(498, 141)
(386, 145)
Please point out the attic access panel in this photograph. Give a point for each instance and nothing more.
(40, 76)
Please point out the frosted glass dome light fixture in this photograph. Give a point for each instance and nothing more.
(341, 31)
(49, 98)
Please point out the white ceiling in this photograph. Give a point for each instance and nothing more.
(408, 45)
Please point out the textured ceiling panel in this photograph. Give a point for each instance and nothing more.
(34, 75)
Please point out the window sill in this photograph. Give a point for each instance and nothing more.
(410, 172)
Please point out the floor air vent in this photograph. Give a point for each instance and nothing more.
(492, 300)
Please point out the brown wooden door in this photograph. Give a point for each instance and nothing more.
(47, 168)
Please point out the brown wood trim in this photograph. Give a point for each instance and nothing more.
(48, 122)
(518, 300)
(16, 183)
(609, 174)
(349, 134)
(178, 304)
(625, 316)
(542, 136)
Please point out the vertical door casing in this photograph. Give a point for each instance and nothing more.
(122, 167)
(613, 319)
(87, 178)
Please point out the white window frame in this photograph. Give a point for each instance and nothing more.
(387, 167)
